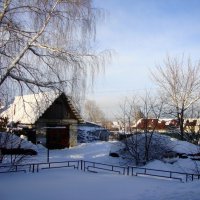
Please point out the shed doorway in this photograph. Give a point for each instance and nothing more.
(57, 137)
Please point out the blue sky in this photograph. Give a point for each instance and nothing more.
(142, 33)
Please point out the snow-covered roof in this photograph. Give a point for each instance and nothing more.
(27, 109)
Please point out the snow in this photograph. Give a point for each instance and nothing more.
(8, 140)
(185, 147)
(28, 108)
(181, 165)
(61, 184)
(96, 151)
(178, 145)
(73, 184)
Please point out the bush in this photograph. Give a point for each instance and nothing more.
(142, 148)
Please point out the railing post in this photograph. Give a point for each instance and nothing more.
(128, 171)
(81, 164)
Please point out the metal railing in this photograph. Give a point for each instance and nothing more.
(137, 171)
(100, 167)
(35, 167)
(6, 168)
(96, 167)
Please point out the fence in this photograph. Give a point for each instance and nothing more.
(100, 167)
(138, 171)
(36, 167)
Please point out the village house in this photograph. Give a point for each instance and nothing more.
(192, 125)
(153, 124)
(164, 125)
(48, 118)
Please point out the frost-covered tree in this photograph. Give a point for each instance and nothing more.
(47, 44)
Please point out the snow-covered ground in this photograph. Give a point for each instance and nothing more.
(62, 184)
(96, 151)
(66, 183)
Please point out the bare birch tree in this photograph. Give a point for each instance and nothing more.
(47, 44)
(179, 83)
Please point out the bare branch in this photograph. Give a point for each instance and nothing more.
(179, 82)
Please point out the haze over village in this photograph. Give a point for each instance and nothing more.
(99, 99)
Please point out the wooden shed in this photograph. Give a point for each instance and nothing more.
(52, 116)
